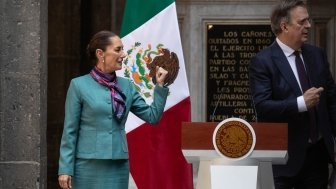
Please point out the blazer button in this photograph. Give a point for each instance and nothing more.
(110, 132)
(110, 117)
(108, 102)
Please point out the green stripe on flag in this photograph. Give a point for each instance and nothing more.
(137, 12)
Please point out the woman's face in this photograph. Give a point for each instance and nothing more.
(111, 59)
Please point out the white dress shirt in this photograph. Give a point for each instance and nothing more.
(291, 59)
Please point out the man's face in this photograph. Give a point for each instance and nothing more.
(298, 26)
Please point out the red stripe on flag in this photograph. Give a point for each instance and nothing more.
(156, 159)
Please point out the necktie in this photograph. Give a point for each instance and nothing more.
(305, 86)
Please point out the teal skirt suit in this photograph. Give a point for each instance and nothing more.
(93, 146)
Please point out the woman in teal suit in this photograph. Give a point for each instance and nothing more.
(93, 151)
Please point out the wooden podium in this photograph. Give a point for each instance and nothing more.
(271, 148)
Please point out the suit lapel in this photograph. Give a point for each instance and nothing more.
(282, 63)
(308, 61)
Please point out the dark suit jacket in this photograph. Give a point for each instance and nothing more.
(274, 90)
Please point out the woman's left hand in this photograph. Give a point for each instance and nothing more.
(160, 75)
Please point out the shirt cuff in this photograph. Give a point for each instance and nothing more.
(301, 104)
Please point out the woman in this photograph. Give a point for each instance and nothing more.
(93, 152)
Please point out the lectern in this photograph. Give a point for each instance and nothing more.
(270, 148)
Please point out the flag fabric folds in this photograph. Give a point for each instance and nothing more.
(151, 38)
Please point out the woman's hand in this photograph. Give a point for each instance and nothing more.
(160, 75)
(64, 181)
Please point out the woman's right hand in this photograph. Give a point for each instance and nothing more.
(64, 181)
(160, 75)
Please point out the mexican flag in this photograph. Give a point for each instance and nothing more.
(151, 37)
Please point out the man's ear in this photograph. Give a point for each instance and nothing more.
(283, 26)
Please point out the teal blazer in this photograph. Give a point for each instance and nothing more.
(90, 130)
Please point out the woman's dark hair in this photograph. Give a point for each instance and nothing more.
(99, 41)
(281, 12)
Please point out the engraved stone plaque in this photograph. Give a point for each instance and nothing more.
(229, 51)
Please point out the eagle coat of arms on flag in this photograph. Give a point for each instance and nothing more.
(140, 65)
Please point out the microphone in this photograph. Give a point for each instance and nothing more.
(213, 113)
(254, 109)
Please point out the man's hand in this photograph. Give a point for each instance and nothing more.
(160, 75)
(64, 181)
(312, 97)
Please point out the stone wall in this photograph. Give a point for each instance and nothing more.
(23, 93)
(193, 16)
(42, 47)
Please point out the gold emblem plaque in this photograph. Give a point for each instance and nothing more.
(234, 138)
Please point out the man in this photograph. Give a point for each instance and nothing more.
(291, 82)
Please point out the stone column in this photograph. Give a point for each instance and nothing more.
(23, 93)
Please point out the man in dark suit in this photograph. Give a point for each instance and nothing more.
(291, 82)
